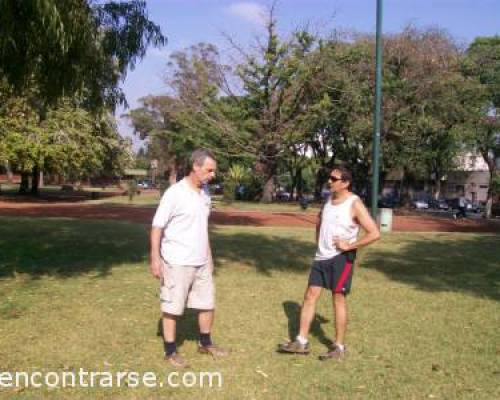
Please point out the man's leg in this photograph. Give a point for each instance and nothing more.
(308, 310)
(169, 327)
(340, 306)
(205, 321)
(300, 344)
(206, 346)
(169, 330)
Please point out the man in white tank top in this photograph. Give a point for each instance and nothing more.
(337, 237)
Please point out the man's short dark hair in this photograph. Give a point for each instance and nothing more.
(345, 174)
(199, 156)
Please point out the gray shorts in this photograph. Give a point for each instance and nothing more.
(186, 286)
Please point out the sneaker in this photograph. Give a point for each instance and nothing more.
(294, 347)
(335, 353)
(177, 361)
(213, 350)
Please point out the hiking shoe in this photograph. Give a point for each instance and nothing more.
(213, 350)
(294, 347)
(334, 354)
(177, 361)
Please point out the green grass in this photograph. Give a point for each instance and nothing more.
(153, 199)
(424, 313)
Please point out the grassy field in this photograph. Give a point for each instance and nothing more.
(151, 199)
(424, 313)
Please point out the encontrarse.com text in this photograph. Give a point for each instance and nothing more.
(106, 379)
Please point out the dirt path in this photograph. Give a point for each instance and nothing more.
(251, 218)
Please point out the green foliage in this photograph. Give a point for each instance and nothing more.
(70, 141)
(75, 48)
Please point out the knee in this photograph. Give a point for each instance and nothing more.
(339, 299)
(312, 294)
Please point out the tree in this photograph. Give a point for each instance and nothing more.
(74, 47)
(482, 62)
(194, 112)
(76, 50)
(426, 104)
(275, 85)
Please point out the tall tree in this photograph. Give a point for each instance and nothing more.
(76, 49)
(482, 62)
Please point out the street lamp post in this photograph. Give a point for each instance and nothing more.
(377, 111)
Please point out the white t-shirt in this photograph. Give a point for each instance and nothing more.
(183, 215)
(336, 222)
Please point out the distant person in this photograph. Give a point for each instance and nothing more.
(462, 208)
(181, 257)
(337, 239)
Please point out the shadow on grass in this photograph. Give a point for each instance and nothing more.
(66, 248)
(468, 264)
(187, 327)
(292, 312)
(264, 252)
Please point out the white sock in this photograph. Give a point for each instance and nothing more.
(341, 347)
(301, 340)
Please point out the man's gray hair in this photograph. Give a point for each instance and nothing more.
(199, 156)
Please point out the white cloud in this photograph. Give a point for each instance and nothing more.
(249, 11)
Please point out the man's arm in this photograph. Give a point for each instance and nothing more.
(318, 223)
(365, 220)
(155, 257)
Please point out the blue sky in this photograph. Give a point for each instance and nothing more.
(187, 22)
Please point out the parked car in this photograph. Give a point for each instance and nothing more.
(282, 195)
(439, 204)
(145, 184)
(389, 202)
(475, 207)
(453, 203)
(420, 204)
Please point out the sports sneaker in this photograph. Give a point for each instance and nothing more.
(335, 353)
(177, 361)
(213, 350)
(294, 347)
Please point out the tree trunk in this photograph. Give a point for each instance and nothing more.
(10, 176)
(269, 169)
(437, 194)
(172, 173)
(41, 180)
(489, 198)
(267, 193)
(35, 180)
(25, 183)
(321, 178)
(300, 184)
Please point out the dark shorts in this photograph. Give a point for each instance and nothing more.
(334, 274)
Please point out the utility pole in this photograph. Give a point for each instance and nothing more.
(376, 118)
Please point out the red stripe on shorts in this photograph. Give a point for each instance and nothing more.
(343, 277)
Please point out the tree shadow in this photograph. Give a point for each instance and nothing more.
(66, 248)
(263, 252)
(435, 263)
(292, 312)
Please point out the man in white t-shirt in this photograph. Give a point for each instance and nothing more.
(337, 238)
(181, 257)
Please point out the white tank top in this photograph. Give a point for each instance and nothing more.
(336, 222)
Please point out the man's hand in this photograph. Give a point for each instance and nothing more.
(156, 267)
(342, 245)
(156, 263)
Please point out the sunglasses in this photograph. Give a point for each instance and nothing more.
(334, 178)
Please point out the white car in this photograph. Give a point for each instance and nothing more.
(420, 204)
